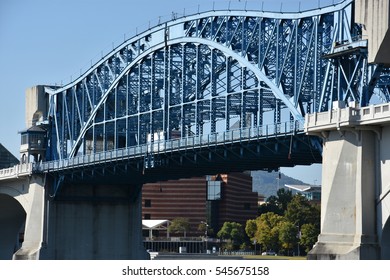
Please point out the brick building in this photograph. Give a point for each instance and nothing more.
(211, 199)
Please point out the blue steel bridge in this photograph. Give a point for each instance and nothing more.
(214, 92)
(218, 91)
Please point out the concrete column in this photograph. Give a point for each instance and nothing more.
(93, 222)
(348, 218)
(383, 200)
(33, 234)
(137, 249)
(375, 17)
(36, 105)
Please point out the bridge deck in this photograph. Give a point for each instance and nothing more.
(175, 145)
(246, 149)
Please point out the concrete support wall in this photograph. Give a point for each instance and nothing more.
(348, 216)
(383, 201)
(374, 15)
(33, 234)
(355, 217)
(95, 222)
(37, 104)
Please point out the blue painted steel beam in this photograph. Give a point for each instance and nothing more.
(213, 72)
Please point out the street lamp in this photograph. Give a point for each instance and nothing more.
(299, 238)
(207, 226)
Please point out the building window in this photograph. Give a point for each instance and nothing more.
(24, 139)
(147, 217)
(148, 203)
(214, 190)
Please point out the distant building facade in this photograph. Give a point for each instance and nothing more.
(210, 199)
(312, 193)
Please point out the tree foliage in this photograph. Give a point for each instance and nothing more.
(309, 235)
(277, 203)
(299, 211)
(306, 217)
(251, 229)
(291, 222)
(288, 235)
(232, 231)
(179, 225)
(267, 233)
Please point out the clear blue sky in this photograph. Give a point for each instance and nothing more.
(50, 41)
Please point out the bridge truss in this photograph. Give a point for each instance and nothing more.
(211, 73)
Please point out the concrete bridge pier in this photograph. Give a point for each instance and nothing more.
(355, 212)
(348, 218)
(33, 232)
(94, 222)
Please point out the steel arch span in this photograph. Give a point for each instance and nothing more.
(212, 72)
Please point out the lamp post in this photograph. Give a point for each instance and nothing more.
(299, 238)
(207, 226)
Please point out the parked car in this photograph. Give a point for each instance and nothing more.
(269, 253)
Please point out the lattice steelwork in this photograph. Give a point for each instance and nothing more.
(208, 73)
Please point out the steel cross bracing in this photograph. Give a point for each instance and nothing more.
(211, 73)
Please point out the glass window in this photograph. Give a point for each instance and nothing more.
(24, 139)
(214, 190)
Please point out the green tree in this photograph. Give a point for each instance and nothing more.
(300, 211)
(202, 228)
(232, 231)
(288, 235)
(251, 229)
(309, 236)
(277, 203)
(284, 197)
(274, 231)
(267, 233)
(179, 225)
(269, 206)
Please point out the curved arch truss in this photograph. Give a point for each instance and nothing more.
(204, 74)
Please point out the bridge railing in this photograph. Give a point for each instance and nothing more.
(349, 116)
(16, 171)
(375, 111)
(173, 145)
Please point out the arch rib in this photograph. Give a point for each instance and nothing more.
(228, 52)
(261, 14)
